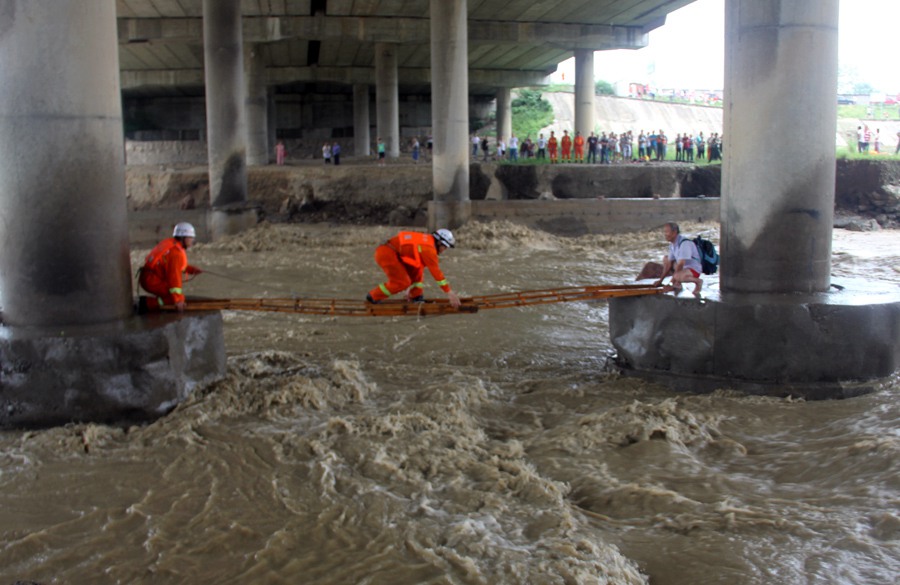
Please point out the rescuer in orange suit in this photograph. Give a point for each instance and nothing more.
(552, 146)
(161, 274)
(579, 147)
(566, 144)
(404, 259)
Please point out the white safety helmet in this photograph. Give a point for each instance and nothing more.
(445, 237)
(184, 230)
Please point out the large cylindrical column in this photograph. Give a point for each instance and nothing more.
(584, 91)
(361, 138)
(504, 114)
(778, 200)
(257, 105)
(271, 122)
(226, 118)
(387, 98)
(450, 113)
(63, 221)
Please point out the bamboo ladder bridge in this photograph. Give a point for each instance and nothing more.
(433, 307)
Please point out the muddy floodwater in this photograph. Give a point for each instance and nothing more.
(493, 448)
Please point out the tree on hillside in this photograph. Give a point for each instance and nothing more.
(530, 113)
(604, 88)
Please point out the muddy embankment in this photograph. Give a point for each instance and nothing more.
(867, 192)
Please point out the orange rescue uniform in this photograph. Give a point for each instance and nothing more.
(579, 148)
(162, 272)
(552, 145)
(404, 259)
(566, 147)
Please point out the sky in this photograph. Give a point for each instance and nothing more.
(867, 46)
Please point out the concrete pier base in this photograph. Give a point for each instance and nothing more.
(128, 371)
(235, 220)
(448, 214)
(821, 345)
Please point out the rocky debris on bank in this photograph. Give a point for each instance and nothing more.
(870, 190)
(855, 223)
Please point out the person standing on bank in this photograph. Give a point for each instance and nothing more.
(682, 261)
(380, 147)
(336, 153)
(163, 269)
(415, 150)
(566, 144)
(552, 146)
(404, 259)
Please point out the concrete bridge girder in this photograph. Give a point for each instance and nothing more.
(374, 29)
(345, 75)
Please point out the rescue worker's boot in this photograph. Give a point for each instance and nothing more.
(147, 304)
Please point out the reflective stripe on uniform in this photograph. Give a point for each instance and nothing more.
(384, 289)
(175, 291)
(418, 285)
(443, 282)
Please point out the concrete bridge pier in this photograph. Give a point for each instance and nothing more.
(387, 98)
(777, 326)
(226, 118)
(361, 137)
(257, 105)
(584, 92)
(70, 347)
(504, 114)
(451, 207)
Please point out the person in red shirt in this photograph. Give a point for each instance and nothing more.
(161, 274)
(404, 259)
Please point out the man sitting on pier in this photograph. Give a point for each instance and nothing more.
(682, 261)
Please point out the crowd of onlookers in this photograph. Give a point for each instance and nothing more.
(607, 148)
(867, 142)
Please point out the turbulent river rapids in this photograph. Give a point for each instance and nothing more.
(488, 448)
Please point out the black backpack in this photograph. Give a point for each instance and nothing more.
(709, 258)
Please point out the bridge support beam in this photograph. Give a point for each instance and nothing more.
(387, 99)
(361, 137)
(450, 114)
(226, 118)
(584, 92)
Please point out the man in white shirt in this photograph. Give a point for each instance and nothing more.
(682, 261)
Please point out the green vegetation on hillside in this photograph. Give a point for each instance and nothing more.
(604, 88)
(530, 113)
(876, 112)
